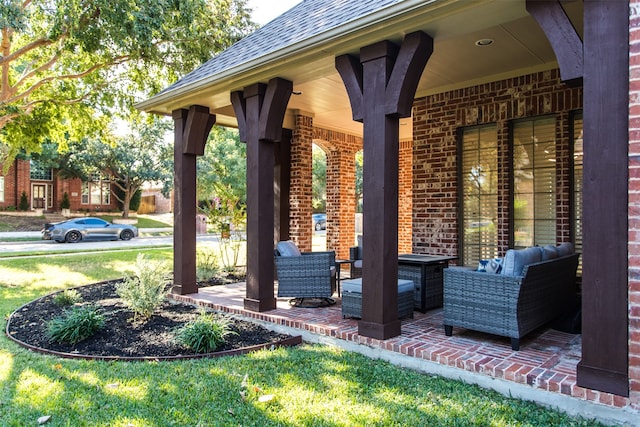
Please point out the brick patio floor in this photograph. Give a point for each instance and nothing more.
(546, 361)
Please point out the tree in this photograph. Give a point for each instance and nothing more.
(359, 180)
(66, 67)
(319, 179)
(138, 158)
(222, 171)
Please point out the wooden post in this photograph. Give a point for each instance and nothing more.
(191, 129)
(260, 111)
(605, 325)
(381, 85)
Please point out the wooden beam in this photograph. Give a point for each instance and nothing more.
(564, 38)
(350, 70)
(197, 128)
(605, 323)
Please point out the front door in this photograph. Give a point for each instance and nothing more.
(39, 196)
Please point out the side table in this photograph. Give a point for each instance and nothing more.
(426, 273)
(339, 263)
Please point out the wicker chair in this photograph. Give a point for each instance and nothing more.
(355, 254)
(510, 306)
(304, 276)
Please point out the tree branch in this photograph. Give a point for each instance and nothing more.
(32, 88)
(26, 48)
(41, 68)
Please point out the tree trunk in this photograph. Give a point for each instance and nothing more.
(125, 203)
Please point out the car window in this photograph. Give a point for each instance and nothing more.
(94, 221)
(80, 221)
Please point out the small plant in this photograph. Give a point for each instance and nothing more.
(206, 264)
(24, 202)
(145, 291)
(67, 298)
(65, 203)
(75, 325)
(205, 334)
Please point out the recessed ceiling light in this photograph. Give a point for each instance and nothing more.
(484, 42)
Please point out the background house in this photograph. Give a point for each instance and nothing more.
(44, 189)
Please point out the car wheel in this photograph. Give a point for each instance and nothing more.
(73, 237)
(126, 235)
(318, 226)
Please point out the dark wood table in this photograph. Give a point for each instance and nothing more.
(426, 273)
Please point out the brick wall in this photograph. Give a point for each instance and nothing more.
(405, 202)
(634, 204)
(16, 180)
(301, 209)
(436, 121)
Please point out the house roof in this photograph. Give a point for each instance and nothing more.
(301, 46)
(302, 22)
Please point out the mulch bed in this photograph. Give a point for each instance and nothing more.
(124, 338)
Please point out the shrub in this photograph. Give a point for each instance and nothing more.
(205, 334)
(24, 202)
(206, 264)
(144, 292)
(65, 203)
(75, 325)
(67, 297)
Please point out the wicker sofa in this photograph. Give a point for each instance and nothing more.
(509, 305)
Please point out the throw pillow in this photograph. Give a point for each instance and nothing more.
(490, 265)
(288, 248)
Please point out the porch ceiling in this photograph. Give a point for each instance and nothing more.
(519, 47)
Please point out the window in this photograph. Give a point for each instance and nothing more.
(38, 172)
(576, 137)
(534, 182)
(1, 189)
(96, 192)
(479, 181)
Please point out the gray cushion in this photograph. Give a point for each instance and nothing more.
(358, 264)
(565, 249)
(355, 286)
(549, 252)
(288, 248)
(516, 259)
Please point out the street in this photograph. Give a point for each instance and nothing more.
(51, 246)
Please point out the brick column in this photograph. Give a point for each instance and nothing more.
(405, 194)
(300, 223)
(341, 206)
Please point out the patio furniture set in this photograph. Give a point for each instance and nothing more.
(526, 289)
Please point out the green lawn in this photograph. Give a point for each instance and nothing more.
(310, 385)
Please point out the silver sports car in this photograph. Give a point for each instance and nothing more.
(76, 229)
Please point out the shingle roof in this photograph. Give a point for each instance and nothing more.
(302, 22)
